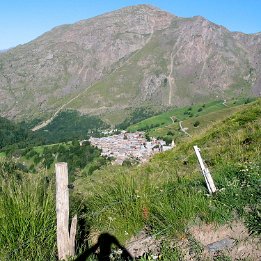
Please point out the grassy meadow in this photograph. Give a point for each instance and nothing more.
(168, 194)
(165, 196)
(156, 123)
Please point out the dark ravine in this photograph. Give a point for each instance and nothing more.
(134, 56)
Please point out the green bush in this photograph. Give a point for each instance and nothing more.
(168, 139)
(196, 123)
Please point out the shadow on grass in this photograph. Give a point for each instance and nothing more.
(105, 242)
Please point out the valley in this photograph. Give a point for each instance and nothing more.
(125, 200)
(123, 98)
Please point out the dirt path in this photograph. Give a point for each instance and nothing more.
(183, 129)
(173, 118)
(203, 69)
(244, 246)
(45, 123)
(225, 103)
(171, 79)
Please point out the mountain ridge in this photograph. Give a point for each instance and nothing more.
(123, 59)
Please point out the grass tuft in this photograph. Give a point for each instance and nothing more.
(27, 217)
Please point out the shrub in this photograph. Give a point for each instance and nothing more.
(147, 136)
(170, 133)
(196, 123)
(127, 163)
(168, 139)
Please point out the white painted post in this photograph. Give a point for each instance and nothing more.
(65, 239)
(205, 172)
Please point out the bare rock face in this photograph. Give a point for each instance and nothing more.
(126, 58)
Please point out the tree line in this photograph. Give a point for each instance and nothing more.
(68, 125)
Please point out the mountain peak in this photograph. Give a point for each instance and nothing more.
(139, 9)
(143, 6)
(135, 56)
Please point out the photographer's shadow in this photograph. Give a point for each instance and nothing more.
(105, 242)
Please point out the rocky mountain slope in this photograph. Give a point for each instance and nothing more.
(128, 58)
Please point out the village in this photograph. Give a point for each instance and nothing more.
(129, 146)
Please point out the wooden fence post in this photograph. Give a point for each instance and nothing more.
(65, 238)
(205, 172)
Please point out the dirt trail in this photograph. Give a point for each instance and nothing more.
(203, 69)
(45, 123)
(225, 103)
(183, 129)
(171, 79)
(244, 247)
(173, 120)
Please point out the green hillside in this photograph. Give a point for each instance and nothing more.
(165, 197)
(67, 126)
(12, 133)
(82, 159)
(193, 119)
(168, 194)
(180, 114)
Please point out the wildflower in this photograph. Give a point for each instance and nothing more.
(145, 213)
(126, 233)
(118, 252)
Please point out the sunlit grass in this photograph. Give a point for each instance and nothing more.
(168, 194)
(27, 217)
(164, 196)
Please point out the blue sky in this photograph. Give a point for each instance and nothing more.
(23, 20)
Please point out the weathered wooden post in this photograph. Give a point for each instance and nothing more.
(205, 172)
(65, 238)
